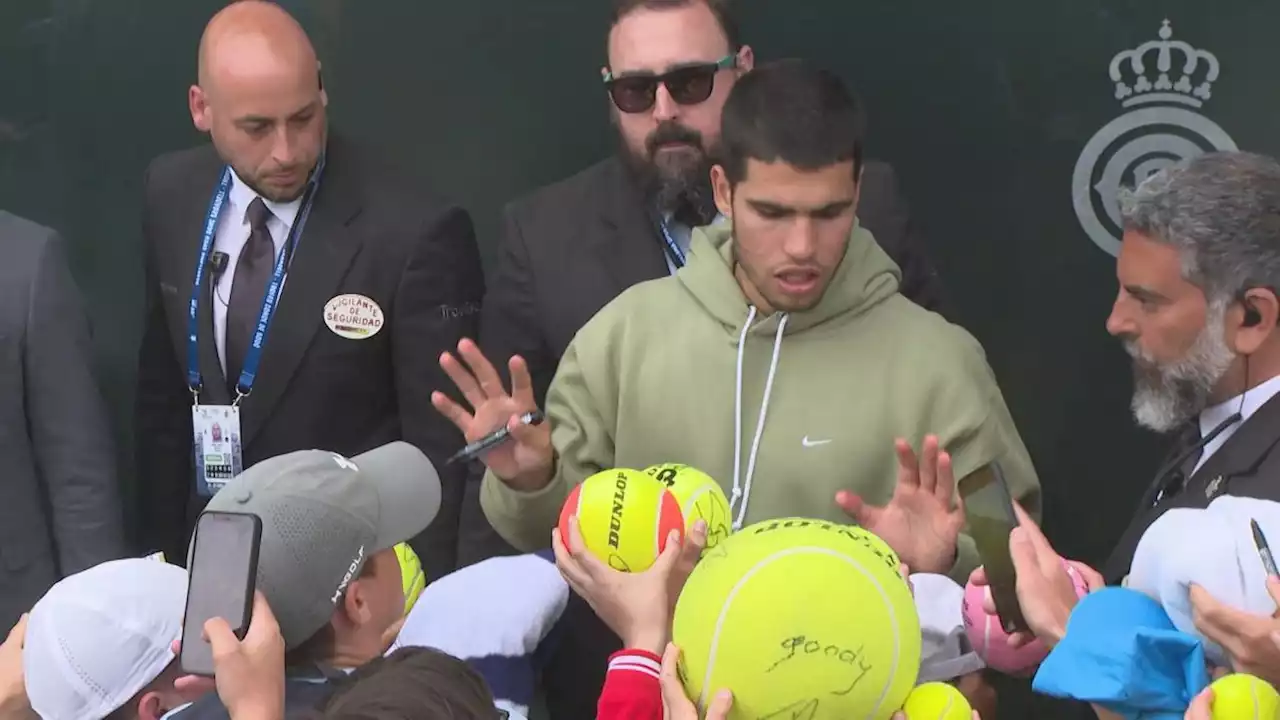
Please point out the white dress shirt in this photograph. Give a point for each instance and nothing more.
(1212, 417)
(230, 238)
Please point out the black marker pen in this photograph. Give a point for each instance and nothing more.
(1264, 550)
(492, 440)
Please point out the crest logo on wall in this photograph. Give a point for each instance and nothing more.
(1161, 84)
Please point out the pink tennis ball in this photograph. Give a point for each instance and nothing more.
(991, 642)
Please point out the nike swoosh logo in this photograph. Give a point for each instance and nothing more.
(812, 443)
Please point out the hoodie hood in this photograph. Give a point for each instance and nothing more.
(865, 277)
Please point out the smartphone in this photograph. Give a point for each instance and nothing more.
(222, 576)
(988, 507)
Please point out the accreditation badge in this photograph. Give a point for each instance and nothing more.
(217, 446)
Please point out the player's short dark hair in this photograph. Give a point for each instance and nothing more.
(793, 111)
(412, 683)
(719, 8)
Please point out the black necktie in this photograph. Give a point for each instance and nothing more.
(1178, 475)
(1189, 465)
(248, 287)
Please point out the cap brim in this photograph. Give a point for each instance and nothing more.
(408, 490)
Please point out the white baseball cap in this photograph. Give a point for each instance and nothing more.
(945, 652)
(100, 636)
(1211, 547)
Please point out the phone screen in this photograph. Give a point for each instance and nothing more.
(222, 577)
(988, 508)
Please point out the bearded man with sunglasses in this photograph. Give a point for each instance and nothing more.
(570, 248)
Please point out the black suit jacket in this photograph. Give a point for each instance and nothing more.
(371, 232)
(1247, 465)
(568, 249)
(61, 508)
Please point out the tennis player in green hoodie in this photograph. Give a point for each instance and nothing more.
(781, 359)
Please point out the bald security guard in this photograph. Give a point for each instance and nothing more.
(299, 292)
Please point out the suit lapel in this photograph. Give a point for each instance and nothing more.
(1242, 452)
(627, 246)
(324, 252)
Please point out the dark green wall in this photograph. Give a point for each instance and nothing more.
(982, 107)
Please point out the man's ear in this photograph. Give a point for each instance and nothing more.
(1254, 319)
(154, 704)
(722, 190)
(355, 604)
(746, 59)
(198, 104)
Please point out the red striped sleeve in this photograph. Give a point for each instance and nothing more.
(631, 688)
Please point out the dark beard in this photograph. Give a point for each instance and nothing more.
(681, 186)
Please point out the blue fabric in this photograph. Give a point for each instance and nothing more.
(1122, 652)
(510, 677)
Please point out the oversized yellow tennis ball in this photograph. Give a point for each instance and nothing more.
(411, 575)
(624, 516)
(700, 498)
(799, 618)
(937, 701)
(1244, 697)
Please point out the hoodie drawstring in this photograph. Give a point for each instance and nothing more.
(742, 489)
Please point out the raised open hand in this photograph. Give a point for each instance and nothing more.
(526, 460)
(924, 517)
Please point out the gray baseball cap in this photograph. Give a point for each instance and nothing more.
(323, 515)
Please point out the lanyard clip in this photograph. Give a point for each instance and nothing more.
(240, 395)
(195, 395)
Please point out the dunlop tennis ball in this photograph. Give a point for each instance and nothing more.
(624, 517)
(413, 577)
(799, 618)
(700, 498)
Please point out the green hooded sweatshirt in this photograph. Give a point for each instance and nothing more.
(784, 410)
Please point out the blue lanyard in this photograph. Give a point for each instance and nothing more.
(673, 248)
(249, 370)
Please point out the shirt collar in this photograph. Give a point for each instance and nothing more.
(670, 220)
(1247, 403)
(242, 195)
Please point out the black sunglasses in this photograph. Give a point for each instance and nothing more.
(688, 85)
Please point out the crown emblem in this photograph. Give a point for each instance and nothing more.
(1197, 66)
